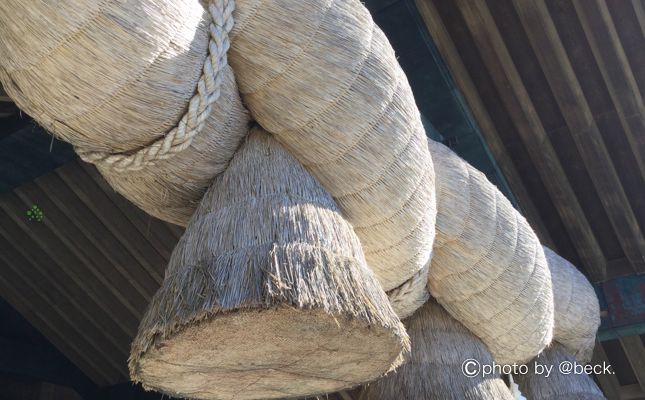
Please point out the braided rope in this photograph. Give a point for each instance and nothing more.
(199, 106)
(411, 294)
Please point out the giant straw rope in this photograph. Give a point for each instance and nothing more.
(488, 268)
(129, 84)
(324, 80)
(558, 385)
(266, 265)
(576, 308)
(144, 90)
(435, 370)
(199, 106)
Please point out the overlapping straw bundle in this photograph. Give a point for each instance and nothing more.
(577, 312)
(114, 79)
(267, 294)
(440, 346)
(557, 386)
(322, 77)
(488, 268)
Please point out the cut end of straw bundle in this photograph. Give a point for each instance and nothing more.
(267, 294)
(267, 353)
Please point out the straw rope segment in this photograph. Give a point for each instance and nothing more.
(199, 107)
(267, 294)
(322, 77)
(108, 77)
(488, 268)
(577, 312)
(440, 346)
(144, 90)
(112, 76)
(411, 295)
(557, 386)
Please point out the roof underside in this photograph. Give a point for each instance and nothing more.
(556, 88)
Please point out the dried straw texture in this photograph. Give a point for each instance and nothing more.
(267, 294)
(440, 345)
(322, 77)
(488, 268)
(577, 312)
(407, 298)
(558, 386)
(114, 76)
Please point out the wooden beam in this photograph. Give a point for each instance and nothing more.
(155, 230)
(618, 267)
(52, 332)
(78, 294)
(56, 311)
(639, 11)
(109, 260)
(605, 335)
(632, 392)
(4, 97)
(522, 111)
(448, 50)
(610, 56)
(110, 325)
(177, 230)
(608, 382)
(635, 352)
(564, 84)
(88, 191)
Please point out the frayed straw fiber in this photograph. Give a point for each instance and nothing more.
(267, 294)
(557, 386)
(440, 346)
(577, 312)
(488, 268)
(113, 77)
(322, 77)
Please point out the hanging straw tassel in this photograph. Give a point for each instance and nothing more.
(557, 386)
(440, 346)
(322, 77)
(267, 294)
(488, 268)
(577, 312)
(141, 88)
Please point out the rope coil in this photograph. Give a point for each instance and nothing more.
(199, 107)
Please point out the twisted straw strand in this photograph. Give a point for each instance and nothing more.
(199, 107)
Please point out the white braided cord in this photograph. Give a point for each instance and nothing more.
(411, 294)
(199, 107)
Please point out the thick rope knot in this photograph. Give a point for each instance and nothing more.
(199, 107)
